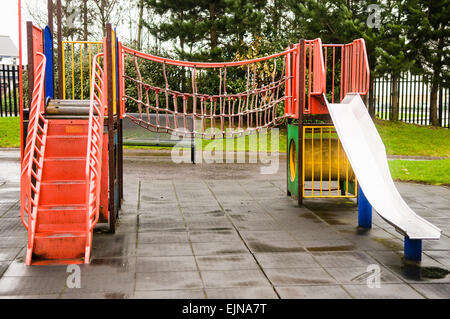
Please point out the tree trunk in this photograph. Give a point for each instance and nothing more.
(212, 18)
(371, 98)
(141, 13)
(85, 20)
(436, 80)
(395, 111)
(433, 104)
(102, 16)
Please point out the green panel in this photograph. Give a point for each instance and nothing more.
(351, 187)
(292, 136)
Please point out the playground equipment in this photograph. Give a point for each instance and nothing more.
(72, 157)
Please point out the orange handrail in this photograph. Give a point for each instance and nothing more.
(33, 160)
(95, 141)
(155, 58)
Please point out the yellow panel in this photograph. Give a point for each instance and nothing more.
(325, 165)
(114, 72)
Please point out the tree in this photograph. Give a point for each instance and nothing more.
(107, 11)
(206, 29)
(140, 24)
(392, 49)
(428, 34)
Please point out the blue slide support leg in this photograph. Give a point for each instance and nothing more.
(364, 211)
(413, 249)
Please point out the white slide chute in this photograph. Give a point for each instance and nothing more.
(367, 155)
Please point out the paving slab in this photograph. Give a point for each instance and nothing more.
(433, 291)
(286, 260)
(226, 262)
(242, 293)
(343, 259)
(386, 291)
(361, 275)
(234, 278)
(219, 248)
(170, 294)
(278, 246)
(168, 280)
(161, 264)
(161, 250)
(299, 276)
(313, 292)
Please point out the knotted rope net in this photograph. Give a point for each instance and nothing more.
(206, 100)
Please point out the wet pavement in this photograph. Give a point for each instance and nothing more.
(228, 231)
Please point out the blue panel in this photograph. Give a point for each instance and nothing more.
(413, 249)
(49, 75)
(364, 211)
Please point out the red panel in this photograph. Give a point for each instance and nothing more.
(63, 193)
(59, 246)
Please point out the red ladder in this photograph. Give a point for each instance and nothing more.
(60, 182)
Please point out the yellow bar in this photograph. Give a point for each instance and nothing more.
(321, 160)
(64, 70)
(81, 67)
(73, 74)
(83, 42)
(339, 173)
(329, 161)
(90, 65)
(312, 160)
(346, 175)
(303, 168)
(334, 196)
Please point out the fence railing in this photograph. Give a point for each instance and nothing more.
(9, 90)
(413, 100)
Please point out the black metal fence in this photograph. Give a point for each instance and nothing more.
(9, 90)
(413, 99)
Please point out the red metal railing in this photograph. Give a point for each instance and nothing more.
(352, 60)
(94, 147)
(356, 68)
(316, 71)
(321, 63)
(33, 160)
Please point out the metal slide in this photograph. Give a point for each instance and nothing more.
(367, 155)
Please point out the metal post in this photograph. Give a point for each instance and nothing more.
(301, 99)
(50, 15)
(30, 62)
(288, 193)
(413, 249)
(193, 148)
(364, 210)
(60, 59)
(111, 157)
(22, 143)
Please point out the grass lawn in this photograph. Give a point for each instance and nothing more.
(430, 172)
(409, 139)
(9, 132)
